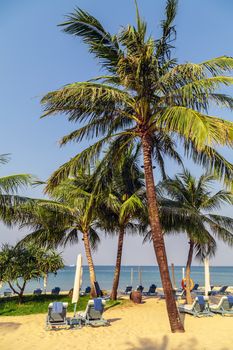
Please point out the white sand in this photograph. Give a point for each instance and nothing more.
(132, 327)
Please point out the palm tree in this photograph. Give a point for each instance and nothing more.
(69, 213)
(123, 193)
(9, 186)
(145, 96)
(188, 208)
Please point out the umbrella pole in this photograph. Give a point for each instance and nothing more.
(75, 308)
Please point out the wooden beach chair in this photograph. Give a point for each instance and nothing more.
(200, 307)
(93, 315)
(224, 307)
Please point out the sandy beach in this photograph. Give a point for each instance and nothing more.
(133, 327)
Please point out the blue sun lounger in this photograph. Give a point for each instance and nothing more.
(93, 315)
(224, 307)
(200, 307)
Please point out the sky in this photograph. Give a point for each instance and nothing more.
(37, 57)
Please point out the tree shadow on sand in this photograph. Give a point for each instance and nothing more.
(165, 344)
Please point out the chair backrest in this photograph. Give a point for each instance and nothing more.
(196, 285)
(88, 290)
(200, 303)
(98, 291)
(7, 292)
(92, 313)
(128, 289)
(37, 291)
(223, 289)
(55, 316)
(226, 303)
(152, 288)
(56, 290)
(140, 288)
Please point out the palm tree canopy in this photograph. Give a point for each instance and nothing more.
(9, 186)
(188, 205)
(144, 92)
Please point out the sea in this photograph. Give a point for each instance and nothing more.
(145, 275)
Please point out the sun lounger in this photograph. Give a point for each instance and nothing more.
(221, 291)
(128, 290)
(86, 291)
(200, 307)
(151, 291)
(195, 288)
(37, 291)
(224, 307)
(7, 292)
(56, 291)
(57, 315)
(140, 288)
(93, 315)
(99, 292)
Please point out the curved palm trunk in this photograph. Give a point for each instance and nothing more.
(90, 262)
(188, 270)
(157, 238)
(118, 264)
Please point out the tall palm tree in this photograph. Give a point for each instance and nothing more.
(189, 208)
(123, 191)
(145, 96)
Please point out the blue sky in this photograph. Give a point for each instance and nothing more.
(36, 57)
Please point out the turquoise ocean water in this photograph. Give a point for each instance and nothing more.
(220, 275)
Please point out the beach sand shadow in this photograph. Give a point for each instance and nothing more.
(165, 344)
(12, 326)
(111, 320)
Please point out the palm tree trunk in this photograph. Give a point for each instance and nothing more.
(118, 264)
(157, 237)
(89, 261)
(188, 269)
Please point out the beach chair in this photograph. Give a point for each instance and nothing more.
(86, 291)
(199, 307)
(56, 315)
(224, 307)
(140, 288)
(55, 291)
(37, 291)
(195, 288)
(93, 315)
(128, 290)
(221, 291)
(98, 291)
(7, 292)
(151, 291)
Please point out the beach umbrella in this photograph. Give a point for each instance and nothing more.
(77, 282)
(131, 277)
(207, 275)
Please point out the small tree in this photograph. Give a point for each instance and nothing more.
(20, 264)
